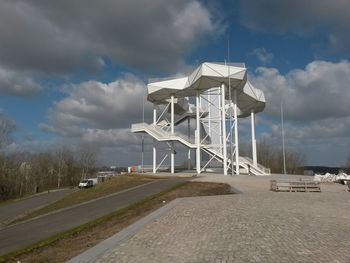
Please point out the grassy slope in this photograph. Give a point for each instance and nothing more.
(116, 184)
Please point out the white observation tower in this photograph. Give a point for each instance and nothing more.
(215, 95)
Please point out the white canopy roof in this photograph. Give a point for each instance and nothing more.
(249, 99)
(207, 76)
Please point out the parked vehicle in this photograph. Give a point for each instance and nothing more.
(87, 183)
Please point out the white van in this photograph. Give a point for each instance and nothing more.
(87, 183)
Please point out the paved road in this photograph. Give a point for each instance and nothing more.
(24, 234)
(11, 211)
(255, 226)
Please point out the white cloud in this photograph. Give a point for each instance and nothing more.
(317, 92)
(18, 83)
(62, 36)
(99, 113)
(316, 111)
(262, 55)
(110, 137)
(328, 17)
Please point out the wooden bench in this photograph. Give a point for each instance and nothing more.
(294, 186)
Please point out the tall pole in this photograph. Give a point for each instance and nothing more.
(254, 155)
(198, 139)
(236, 130)
(154, 141)
(283, 146)
(223, 123)
(230, 100)
(142, 140)
(189, 149)
(220, 126)
(172, 133)
(209, 113)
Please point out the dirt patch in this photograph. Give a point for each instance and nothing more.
(78, 240)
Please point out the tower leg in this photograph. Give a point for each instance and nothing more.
(198, 139)
(189, 149)
(236, 131)
(154, 141)
(223, 120)
(254, 154)
(172, 163)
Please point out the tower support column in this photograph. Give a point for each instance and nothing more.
(254, 154)
(154, 141)
(189, 149)
(236, 131)
(223, 123)
(198, 139)
(172, 155)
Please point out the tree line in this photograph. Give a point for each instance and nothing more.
(27, 173)
(271, 157)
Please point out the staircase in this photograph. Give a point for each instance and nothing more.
(160, 135)
(254, 169)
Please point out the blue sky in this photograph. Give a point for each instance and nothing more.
(74, 72)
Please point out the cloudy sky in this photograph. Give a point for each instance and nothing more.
(74, 71)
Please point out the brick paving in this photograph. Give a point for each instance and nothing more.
(256, 226)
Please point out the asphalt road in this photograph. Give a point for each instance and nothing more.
(30, 232)
(10, 211)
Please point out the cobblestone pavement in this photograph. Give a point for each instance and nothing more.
(256, 226)
(29, 232)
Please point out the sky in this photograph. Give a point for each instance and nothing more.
(75, 72)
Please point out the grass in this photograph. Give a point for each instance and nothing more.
(116, 184)
(24, 197)
(66, 245)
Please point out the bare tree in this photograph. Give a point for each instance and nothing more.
(7, 127)
(266, 155)
(24, 173)
(294, 162)
(87, 159)
(271, 157)
(7, 181)
(347, 165)
(71, 176)
(60, 164)
(43, 169)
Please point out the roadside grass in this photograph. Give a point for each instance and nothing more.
(29, 195)
(65, 246)
(115, 184)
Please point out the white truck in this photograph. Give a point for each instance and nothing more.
(87, 183)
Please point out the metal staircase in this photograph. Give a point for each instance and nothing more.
(161, 135)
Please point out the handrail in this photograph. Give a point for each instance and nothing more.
(162, 135)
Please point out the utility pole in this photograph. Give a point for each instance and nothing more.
(230, 108)
(283, 146)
